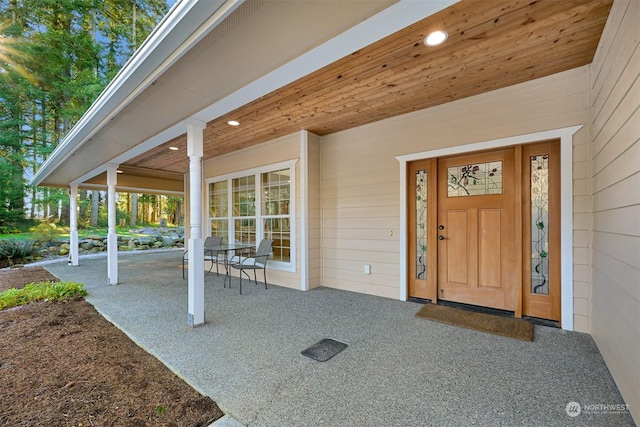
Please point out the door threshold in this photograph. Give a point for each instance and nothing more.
(543, 322)
(477, 308)
(419, 300)
(498, 312)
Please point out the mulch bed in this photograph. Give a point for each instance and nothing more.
(63, 364)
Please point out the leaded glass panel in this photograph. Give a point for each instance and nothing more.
(421, 224)
(479, 179)
(540, 224)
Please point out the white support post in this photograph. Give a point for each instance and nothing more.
(112, 236)
(73, 225)
(195, 316)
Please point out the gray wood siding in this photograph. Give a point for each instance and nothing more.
(615, 155)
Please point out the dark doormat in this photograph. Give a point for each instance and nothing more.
(497, 325)
(324, 349)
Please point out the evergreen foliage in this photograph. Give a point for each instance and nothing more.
(56, 57)
(14, 251)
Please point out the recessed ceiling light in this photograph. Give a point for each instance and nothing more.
(233, 123)
(173, 148)
(119, 171)
(436, 38)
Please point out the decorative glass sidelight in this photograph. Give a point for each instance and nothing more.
(478, 179)
(539, 224)
(421, 224)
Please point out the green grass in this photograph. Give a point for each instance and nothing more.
(44, 291)
(17, 236)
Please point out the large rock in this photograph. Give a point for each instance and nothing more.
(87, 245)
(146, 240)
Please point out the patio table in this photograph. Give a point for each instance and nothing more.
(226, 248)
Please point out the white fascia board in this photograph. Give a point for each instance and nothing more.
(390, 20)
(164, 46)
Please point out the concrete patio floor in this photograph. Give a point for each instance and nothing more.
(398, 370)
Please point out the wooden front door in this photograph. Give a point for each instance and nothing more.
(476, 229)
(484, 229)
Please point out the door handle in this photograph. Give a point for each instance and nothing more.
(441, 237)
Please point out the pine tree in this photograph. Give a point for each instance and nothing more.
(56, 56)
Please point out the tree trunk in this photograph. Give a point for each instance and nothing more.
(82, 206)
(178, 220)
(65, 212)
(95, 204)
(133, 27)
(34, 200)
(134, 210)
(159, 208)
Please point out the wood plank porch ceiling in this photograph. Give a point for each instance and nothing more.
(492, 44)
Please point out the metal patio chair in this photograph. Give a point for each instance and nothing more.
(211, 255)
(256, 262)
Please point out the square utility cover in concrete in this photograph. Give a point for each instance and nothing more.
(324, 349)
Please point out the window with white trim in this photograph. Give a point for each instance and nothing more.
(249, 206)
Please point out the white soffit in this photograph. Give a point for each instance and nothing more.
(210, 81)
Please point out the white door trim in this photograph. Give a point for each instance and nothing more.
(566, 205)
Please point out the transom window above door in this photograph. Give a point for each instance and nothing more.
(479, 179)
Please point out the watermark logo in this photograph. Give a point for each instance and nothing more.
(573, 409)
